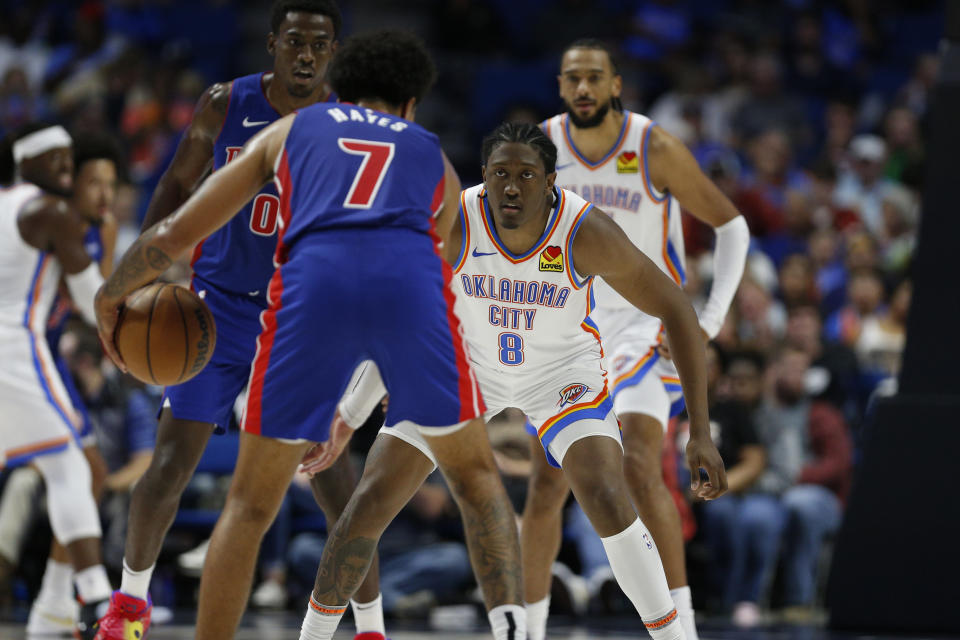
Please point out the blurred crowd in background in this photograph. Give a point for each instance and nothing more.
(810, 116)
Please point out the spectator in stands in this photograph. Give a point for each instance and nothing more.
(809, 462)
(762, 318)
(797, 280)
(768, 106)
(831, 274)
(915, 94)
(834, 374)
(883, 335)
(839, 121)
(19, 105)
(901, 130)
(898, 239)
(865, 295)
(771, 173)
(794, 237)
(862, 185)
(738, 524)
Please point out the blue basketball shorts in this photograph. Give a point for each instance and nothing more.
(210, 395)
(348, 296)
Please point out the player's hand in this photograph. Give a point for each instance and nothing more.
(702, 453)
(108, 315)
(664, 347)
(321, 456)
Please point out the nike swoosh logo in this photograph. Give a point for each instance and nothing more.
(564, 166)
(247, 123)
(477, 254)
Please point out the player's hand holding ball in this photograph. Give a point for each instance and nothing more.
(161, 333)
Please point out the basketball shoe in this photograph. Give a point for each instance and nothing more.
(370, 635)
(52, 617)
(128, 618)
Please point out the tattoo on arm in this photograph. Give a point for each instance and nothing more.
(135, 265)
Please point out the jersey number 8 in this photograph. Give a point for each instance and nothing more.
(511, 349)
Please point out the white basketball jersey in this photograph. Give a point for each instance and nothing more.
(28, 277)
(619, 185)
(527, 313)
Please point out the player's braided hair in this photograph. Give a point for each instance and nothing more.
(599, 45)
(523, 133)
(327, 8)
(388, 65)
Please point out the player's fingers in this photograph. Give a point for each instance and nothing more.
(714, 490)
(694, 466)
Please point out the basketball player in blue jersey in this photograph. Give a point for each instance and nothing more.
(96, 159)
(359, 278)
(232, 268)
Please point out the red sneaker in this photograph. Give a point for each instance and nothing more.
(370, 635)
(128, 618)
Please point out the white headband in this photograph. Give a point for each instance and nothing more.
(32, 145)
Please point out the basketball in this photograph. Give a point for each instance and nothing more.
(165, 334)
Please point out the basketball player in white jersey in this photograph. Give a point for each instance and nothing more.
(43, 240)
(641, 176)
(524, 255)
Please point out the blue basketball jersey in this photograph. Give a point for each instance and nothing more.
(238, 257)
(346, 167)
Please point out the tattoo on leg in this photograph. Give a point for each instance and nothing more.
(343, 566)
(494, 547)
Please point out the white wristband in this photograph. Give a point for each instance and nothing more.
(729, 259)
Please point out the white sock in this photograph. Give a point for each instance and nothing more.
(321, 621)
(508, 621)
(636, 564)
(537, 613)
(136, 583)
(57, 582)
(93, 585)
(368, 616)
(683, 601)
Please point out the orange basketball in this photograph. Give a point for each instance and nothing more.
(165, 334)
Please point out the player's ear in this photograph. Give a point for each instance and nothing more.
(271, 44)
(617, 86)
(483, 173)
(551, 179)
(409, 109)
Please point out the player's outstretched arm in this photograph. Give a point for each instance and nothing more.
(601, 248)
(211, 207)
(673, 169)
(193, 159)
(448, 221)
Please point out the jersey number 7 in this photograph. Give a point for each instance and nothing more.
(377, 157)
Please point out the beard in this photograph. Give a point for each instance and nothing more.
(592, 121)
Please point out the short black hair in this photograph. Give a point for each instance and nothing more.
(597, 44)
(524, 133)
(327, 8)
(388, 65)
(751, 356)
(96, 146)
